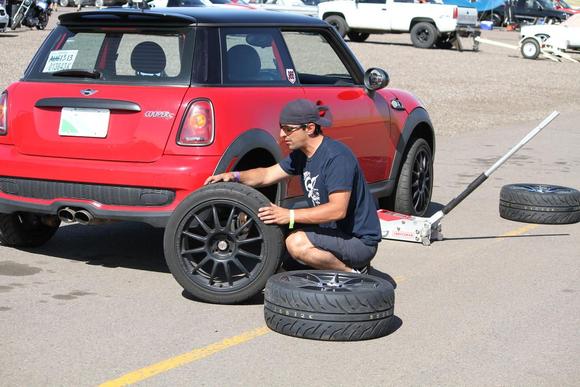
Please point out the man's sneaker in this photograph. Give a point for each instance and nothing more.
(363, 270)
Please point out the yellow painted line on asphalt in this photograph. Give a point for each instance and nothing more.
(200, 353)
(185, 358)
(519, 231)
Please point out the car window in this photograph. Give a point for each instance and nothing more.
(315, 61)
(253, 56)
(115, 56)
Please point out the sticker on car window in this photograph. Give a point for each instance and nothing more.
(291, 75)
(60, 60)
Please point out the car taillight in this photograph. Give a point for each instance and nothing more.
(197, 127)
(3, 113)
(455, 13)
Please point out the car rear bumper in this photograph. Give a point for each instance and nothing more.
(145, 192)
(468, 31)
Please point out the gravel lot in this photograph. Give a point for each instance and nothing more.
(463, 91)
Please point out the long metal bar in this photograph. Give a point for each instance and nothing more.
(435, 218)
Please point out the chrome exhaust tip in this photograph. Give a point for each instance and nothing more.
(83, 217)
(66, 215)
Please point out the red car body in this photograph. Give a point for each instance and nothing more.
(145, 154)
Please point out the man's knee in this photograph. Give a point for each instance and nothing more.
(297, 244)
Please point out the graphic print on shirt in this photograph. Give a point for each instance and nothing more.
(310, 185)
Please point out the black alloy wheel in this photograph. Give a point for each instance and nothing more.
(415, 181)
(421, 183)
(216, 246)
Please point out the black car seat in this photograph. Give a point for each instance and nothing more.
(243, 64)
(148, 59)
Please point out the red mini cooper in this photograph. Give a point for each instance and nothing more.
(122, 115)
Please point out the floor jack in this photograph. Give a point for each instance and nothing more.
(424, 230)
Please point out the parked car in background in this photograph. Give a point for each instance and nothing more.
(123, 113)
(74, 3)
(565, 36)
(196, 3)
(4, 19)
(530, 12)
(295, 6)
(564, 6)
(429, 24)
(110, 3)
(485, 8)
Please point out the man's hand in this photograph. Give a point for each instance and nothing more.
(274, 215)
(228, 176)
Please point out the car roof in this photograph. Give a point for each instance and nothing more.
(182, 16)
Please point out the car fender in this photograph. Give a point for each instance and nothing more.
(246, 142)
(418, 120)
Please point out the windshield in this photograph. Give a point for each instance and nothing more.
(546, 4)
(115, 55)
(563, 4)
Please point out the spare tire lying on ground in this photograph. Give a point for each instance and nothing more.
(539, 203)
(326, 305)
(217, 248)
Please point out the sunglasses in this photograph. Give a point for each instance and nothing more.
(289, 129)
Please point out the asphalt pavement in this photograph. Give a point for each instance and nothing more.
(495, 303)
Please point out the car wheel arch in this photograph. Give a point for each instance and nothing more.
(422, 20)
(417, 125)
(252, 149)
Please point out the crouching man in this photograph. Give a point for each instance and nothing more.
(340, 230)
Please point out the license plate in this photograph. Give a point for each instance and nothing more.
(81, 122)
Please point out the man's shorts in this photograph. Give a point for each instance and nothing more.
(349, 249)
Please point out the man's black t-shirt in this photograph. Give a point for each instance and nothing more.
(333, 167)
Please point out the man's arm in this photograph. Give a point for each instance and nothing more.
(257, 177)
(334, 210)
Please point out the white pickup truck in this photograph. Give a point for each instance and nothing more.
(430, 24)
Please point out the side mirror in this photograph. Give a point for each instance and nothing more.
(376, 78)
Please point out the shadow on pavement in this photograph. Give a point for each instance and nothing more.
(124, 244)
(504, 237)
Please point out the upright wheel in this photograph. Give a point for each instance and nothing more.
(27, 229)
(338, 23)
(415, 182)
(358, 36)
(530, 48)
(423, 35)
(216, 246)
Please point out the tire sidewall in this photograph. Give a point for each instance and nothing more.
(417, 41)
(339, 24)
(526, 43)
(404, 182)
(229, 192)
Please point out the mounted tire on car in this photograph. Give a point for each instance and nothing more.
(325, 305)
(424, 35)
(217, 248)
(538, 203)
(26, 229)
(530, 48)
(358, 36)
(415, 182)
(338, 23)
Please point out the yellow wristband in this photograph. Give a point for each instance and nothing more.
(291, 224)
